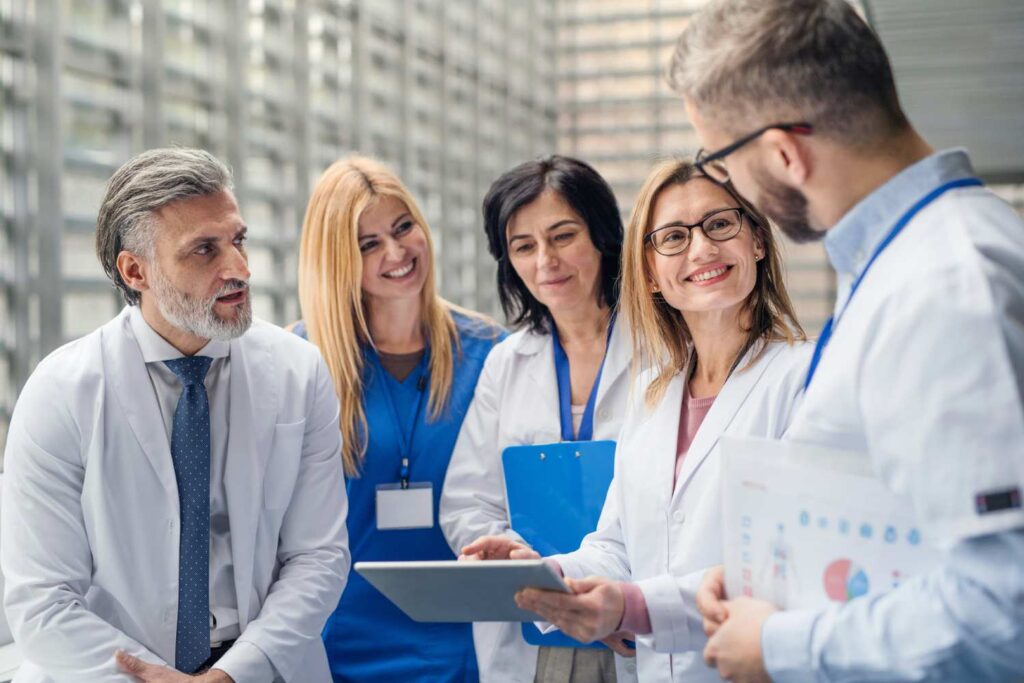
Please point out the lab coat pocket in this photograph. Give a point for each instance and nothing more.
(283, 464)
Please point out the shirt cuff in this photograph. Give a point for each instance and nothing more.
(246, 663)
(635, 617)
(555, 566)
(786, 646)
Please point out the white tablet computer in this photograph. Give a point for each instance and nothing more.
(460, 591)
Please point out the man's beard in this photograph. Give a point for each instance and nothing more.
(196, 315)
(786, 206)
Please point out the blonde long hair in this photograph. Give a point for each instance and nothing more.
(660, 334)
(330, 293)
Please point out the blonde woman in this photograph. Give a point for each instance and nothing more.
(703, 295)
(405, 364)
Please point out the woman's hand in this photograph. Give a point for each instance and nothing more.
(498, 548)
(591, 612)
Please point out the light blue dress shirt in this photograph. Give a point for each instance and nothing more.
(925, 375)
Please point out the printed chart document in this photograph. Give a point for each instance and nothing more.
(804, 526)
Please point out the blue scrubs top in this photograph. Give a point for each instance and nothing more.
(367, 637)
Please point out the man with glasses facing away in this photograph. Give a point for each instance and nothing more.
(174, 507)
(922, 366)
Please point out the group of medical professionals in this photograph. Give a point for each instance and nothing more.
(186, 488)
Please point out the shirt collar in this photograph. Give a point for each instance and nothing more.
(852, 240)
(156, 349)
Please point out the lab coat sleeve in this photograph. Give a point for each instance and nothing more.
(676, 625)
(473, 497)
(963, 621)
(944, 423)
(313, 544)
(46, 558)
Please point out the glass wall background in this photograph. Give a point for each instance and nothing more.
(448, 92)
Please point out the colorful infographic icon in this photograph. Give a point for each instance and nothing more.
(845, 581)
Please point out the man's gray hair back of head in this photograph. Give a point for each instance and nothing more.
(143, 185)
(750, 63)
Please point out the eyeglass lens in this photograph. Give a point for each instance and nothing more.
(717, 227)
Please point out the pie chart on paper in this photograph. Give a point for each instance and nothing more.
(845, 581)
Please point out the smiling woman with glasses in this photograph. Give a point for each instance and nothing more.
(703, 296)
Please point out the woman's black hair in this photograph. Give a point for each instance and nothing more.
(587, 193)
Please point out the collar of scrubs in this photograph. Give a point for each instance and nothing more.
(586, 430)
(156, 349)
(858, 233)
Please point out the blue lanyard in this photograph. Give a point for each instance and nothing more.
(565, 389)
(826, 332)
(405, 444)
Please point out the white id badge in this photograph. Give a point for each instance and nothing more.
(409, 508)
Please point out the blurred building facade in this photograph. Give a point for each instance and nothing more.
(449, 92)
(617, 111)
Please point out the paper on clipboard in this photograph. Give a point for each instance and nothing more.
(805, 526)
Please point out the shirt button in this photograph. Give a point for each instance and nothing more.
(631, 667)
(678, 515)
(604, 414)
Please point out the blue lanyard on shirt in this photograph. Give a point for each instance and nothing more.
(404, 444)
(586, 432)
(826, 332)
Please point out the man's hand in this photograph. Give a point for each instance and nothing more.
(618, 643)
(498, 548)
(711, 599)
(592, 612)
(144, 672)
(735, 648)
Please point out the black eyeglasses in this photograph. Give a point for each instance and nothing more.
(713, 164)
(674, 238)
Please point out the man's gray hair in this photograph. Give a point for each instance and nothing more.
(749, 63)
(143, 185)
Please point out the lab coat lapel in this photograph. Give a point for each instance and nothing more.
(659, 442)
(125, 369)
(251, 420)
(539, 364)
(728, 403)
(616, 364)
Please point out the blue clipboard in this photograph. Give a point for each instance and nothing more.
(555, 496)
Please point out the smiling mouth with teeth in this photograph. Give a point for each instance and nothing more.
(401, 272)
(707, 275)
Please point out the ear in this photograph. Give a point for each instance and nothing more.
(134, 271)
(789, 156)
(759, 250)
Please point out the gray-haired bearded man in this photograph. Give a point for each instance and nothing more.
(175, 500)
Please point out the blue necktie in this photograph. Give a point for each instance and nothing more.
(190, 451)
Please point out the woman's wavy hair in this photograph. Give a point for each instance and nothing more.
(330, 293)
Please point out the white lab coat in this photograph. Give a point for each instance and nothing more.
(664, 538)
(90, 522)
(516, 402)
(921, 373)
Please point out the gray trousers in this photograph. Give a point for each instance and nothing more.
(575, 665)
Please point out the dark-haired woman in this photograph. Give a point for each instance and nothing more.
(553, 226)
